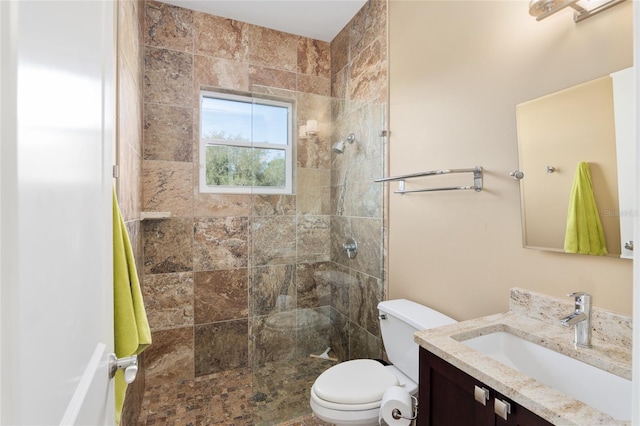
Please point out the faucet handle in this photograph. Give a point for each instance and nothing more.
(582, 300)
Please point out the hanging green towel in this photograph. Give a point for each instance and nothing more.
(584, 233)
(131, 327)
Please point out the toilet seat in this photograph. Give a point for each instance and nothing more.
(355, 385)
(339, 382)
(315, 399)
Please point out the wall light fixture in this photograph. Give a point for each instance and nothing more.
(541, 9)
(310, 129)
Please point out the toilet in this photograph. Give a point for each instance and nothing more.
(350, 393)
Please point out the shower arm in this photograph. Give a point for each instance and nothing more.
(350, 138)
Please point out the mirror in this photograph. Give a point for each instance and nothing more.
(591, 122)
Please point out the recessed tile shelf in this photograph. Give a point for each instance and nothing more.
(154, 215)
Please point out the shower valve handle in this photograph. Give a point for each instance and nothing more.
(351, 247)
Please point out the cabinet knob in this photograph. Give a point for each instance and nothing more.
(501, 408)
(481, 395)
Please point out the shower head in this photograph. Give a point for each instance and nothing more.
(338, 147)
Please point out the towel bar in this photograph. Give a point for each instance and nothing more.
(477, 180)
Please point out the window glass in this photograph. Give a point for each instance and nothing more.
(245, 166)
(245, 144)
(267, 124)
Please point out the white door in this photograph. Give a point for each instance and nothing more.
(57, 118)
(636, 232)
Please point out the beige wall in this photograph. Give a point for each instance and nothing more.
(457, 70)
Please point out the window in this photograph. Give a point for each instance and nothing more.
(245, 144)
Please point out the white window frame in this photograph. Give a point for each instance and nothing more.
(288, 148)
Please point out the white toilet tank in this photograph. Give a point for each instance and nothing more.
(402, 318)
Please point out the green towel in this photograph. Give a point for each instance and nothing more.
(584, 233)
(131, 327)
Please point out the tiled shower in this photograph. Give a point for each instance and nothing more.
(250, 285)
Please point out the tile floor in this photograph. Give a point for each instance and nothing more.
(275, 394)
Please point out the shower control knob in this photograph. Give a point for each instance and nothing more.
(351, 247)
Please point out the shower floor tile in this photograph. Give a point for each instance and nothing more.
(275, 394)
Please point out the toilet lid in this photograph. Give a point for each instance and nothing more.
(358, 381)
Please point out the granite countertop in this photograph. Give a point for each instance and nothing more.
(552, 405)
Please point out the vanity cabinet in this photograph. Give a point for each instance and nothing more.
(448, 396)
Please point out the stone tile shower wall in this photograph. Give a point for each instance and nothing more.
(225, 265)
(359, 97)
(236, 281)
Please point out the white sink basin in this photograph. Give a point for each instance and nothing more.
(600, 389)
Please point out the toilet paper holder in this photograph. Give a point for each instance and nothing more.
(397, 414)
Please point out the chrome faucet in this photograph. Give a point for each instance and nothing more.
(581, 319)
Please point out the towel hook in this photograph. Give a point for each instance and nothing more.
(517, 174)
(551, 169)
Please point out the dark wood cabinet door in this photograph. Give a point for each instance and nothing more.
(446, 395)
(520, 416)
(447, 398)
